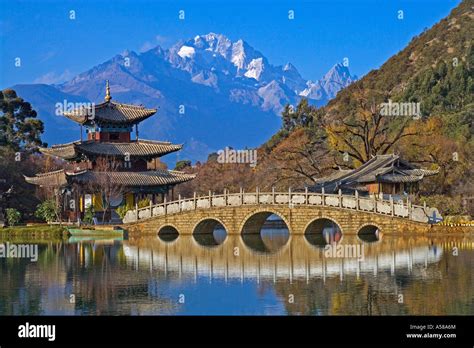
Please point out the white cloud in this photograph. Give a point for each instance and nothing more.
(52, 77)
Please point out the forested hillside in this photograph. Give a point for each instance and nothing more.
(434, 72)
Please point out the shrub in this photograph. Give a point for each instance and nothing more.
(13, 216)
(46, 211)
(144, 203)
(89, 215)
(122, 210)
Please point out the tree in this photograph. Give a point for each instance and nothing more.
(432, 148)
(103, 185)
(19, 128)
(302, 159)
(360, 129)
(180, 165)
(301, 117)
(20, 132)
(304, 155)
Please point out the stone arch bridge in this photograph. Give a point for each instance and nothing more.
(245, 212)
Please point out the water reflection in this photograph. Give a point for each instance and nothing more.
(322, 232)
(265, 233)
(242, 276)
(370, 234)
(298, 260)
(209, 233)
(168, 234)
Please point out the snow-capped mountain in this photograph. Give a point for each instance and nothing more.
(325, 89)
(211, 92)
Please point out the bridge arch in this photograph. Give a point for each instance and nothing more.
(258, 217)
(264, 240)
(323, 230)
(168, 233)
(204, 232)
(369, 233)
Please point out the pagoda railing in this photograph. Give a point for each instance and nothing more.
(390, 207)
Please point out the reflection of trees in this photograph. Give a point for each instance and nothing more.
(453, 292)
(15, 297)
(104, 284)
(441, 289)
(97, 275)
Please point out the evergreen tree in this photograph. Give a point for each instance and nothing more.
(19, 128)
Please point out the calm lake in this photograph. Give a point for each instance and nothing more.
(270, 274)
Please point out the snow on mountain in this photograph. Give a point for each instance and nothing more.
(336, 79)
(213, 60)
(255, 69)
(274, 96)
(314, 90)
(332, 82)
(238, 56)
(186, 52)
(223, 85)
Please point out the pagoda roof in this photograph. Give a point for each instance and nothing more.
(127, 179)
(56, 178)
(136, 148)
(146, 178)
(110, 112)
(64, 151)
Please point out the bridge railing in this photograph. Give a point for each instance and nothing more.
(390, 207)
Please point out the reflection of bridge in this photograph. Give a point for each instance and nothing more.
(246, 212)
(296, 260)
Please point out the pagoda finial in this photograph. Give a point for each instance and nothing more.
(107, 91)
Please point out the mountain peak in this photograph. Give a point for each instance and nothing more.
(336, 78)
(289, 67)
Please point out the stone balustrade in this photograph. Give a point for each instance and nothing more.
(401, 209)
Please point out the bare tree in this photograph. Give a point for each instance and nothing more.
(103, 183)
(367, 132)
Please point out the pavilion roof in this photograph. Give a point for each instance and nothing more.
(136, 148)
(64, 151)
(381, 168)
(127, 179)
(110, 112)
(50, 179)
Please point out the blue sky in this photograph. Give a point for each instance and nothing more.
(54, 48)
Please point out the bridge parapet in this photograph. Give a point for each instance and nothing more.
(401, 209)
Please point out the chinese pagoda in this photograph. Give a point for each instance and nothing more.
(108, 127)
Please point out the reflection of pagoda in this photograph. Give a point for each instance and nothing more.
(108, 127)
